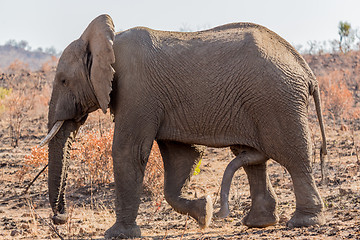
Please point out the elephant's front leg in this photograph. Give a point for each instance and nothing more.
(129, 161)
(179, 159)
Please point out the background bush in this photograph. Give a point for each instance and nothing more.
(91, 162)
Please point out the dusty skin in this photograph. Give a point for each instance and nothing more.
(238, 84)
(91, 207)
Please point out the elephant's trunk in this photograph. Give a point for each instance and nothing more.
(59, 147)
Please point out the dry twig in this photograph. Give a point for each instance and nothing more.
(36, 177)
(43, 220)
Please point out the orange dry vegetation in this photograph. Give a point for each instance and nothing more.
(93, 153)
(91, 156)
(36, 159)
(91, 196)
(337, 99)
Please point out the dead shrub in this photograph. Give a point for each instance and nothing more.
(49, 65)
(37, 158)
(16, 107)
(91, 156)
(93, 152)
(17, 66)
(337, 99)
(154, 173)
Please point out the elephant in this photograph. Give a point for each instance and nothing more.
(239, 85)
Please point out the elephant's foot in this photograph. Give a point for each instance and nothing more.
(59, 218)
(260, 219)
(119, 230)
(223, 212)
(302, 219)
(263, 211)
(205, 211)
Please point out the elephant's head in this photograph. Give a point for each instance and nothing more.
(82, 84)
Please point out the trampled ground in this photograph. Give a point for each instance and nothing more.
(91, 207)
(24, 97)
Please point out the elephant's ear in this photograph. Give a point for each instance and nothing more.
(99, 37)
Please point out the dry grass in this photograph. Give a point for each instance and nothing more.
(91, 194)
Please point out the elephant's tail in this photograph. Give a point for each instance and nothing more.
(316, 94)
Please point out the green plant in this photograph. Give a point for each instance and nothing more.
(4, 92)
(197, 168)
(345, 34)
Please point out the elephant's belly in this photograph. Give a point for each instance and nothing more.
(214, 142)
(208, 139)
(213, 125)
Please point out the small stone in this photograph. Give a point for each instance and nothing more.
(82, 231)
(24, 226)
(14, 233)
(344, 192)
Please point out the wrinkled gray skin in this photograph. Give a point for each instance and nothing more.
(238, 85)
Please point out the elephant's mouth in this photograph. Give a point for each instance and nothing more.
(81, 120)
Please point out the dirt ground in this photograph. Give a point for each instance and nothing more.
(91, 207)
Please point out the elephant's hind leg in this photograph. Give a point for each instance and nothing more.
(295, 155)
(179, 159)
(309, 206)
(263, 198)
(247, 156)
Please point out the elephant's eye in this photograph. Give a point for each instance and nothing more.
(64, 82)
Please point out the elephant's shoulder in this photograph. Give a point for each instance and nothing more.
(138, 36)
(134, 33)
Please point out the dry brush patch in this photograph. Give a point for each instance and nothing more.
(91, 157)
(17, 105)
(338, 100)
(91, 198)
(90, 188)
(24, 100)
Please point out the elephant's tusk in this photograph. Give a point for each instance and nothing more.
(51, 134)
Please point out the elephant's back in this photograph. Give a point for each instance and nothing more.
(220, 86)
(250, 41)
